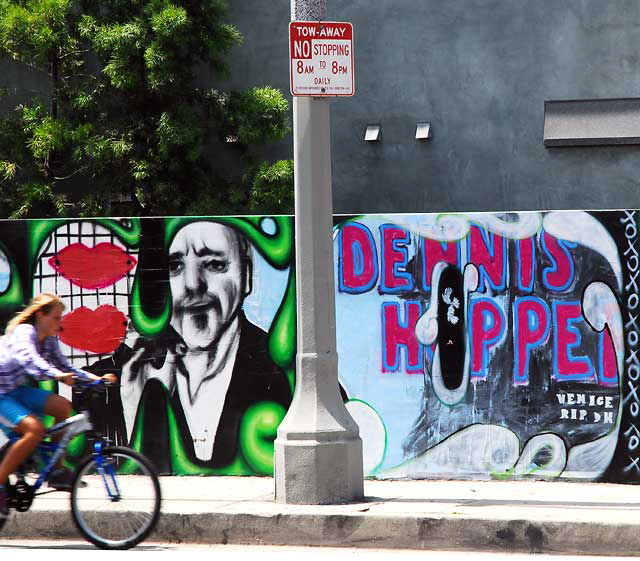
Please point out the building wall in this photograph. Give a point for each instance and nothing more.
(479, 71)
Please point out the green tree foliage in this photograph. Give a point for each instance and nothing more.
(271, 192)
(123, 118)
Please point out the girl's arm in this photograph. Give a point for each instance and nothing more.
(23, 346)
(62, 361)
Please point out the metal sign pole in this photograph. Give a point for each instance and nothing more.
(318, 451)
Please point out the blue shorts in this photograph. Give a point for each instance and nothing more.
(20, 402)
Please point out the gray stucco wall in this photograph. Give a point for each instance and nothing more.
(479, 71)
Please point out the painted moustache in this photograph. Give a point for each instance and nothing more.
(198, 307)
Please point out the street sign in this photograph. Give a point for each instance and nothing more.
(321, 58)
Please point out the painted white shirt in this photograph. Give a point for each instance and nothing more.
(202, 395)
(204, 409)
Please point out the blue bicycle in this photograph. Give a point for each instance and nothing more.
(115, 494)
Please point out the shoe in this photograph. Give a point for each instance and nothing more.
(60, 479)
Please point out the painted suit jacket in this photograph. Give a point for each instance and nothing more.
(255, 379)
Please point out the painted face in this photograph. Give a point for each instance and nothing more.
(207, 282)
(48, 324)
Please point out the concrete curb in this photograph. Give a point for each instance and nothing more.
(361, 530)
(504, 516)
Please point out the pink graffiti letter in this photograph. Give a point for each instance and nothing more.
(566, 366)
(398, 334)
(487, 329)
(526, 263)
(395, 257)
(608, 364)
(434, 251)
(357, 262)
(488, 252)
(559, 276)
(531, 329)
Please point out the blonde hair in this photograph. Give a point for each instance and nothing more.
(42, 303)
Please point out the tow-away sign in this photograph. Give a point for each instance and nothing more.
(321, 58)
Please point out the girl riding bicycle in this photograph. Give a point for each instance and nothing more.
(30, 347)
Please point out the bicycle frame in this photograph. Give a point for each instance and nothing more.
(51, 452)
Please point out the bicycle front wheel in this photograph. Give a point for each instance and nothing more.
(115, 498)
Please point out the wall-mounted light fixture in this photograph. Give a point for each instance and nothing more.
(373, 133)
(423, 131)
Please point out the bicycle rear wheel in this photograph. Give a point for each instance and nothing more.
(115, 505)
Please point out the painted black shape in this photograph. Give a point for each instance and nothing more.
(106, 409)
(543, 456)
(451, 326)
(624, 466)
(155, 442)
(153, 267)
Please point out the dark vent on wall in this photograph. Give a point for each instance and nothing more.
(592, 122)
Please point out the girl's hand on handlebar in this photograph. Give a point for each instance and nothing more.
(66, 378)
(106, 379)
(110, 378)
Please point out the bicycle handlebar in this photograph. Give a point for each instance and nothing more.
(97, 385)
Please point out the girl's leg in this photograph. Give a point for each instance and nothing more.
(32, 431)
(60, 409)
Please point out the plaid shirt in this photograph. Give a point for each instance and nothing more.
(21, 354)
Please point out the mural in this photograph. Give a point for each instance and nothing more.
(494, 345)
(470, 345)
(195, 316)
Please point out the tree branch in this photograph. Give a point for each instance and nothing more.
(77, 75)
(73, 53)
(80, 169)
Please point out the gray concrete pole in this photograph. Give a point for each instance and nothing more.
(318, 451)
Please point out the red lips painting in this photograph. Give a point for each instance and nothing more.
(92, 267)
(98, 331)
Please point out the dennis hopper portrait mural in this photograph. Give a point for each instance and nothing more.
(213, 362)
(196, 317)
(470, 345)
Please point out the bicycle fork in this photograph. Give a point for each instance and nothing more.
(107, 471)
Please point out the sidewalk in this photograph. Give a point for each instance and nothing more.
(594, 518)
